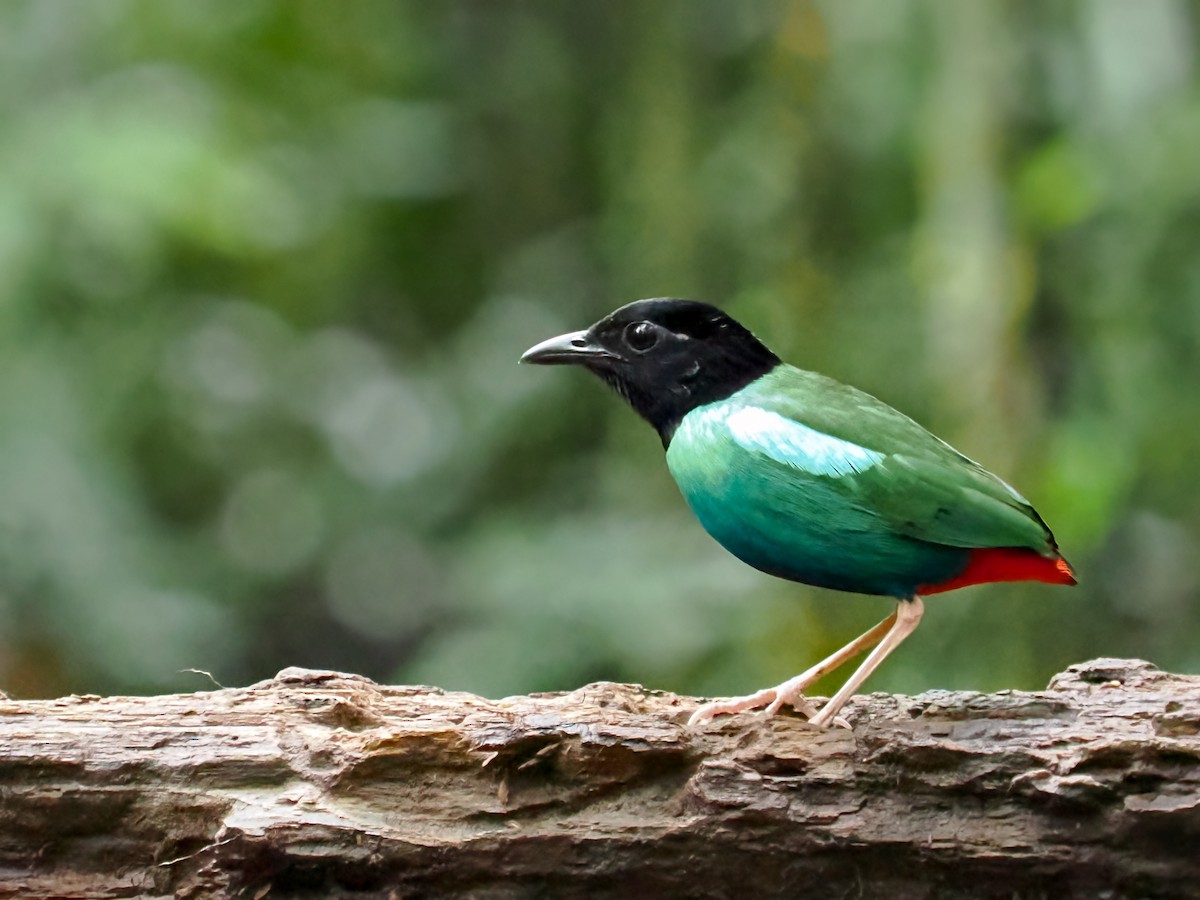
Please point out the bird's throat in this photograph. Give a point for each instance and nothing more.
(664, 406)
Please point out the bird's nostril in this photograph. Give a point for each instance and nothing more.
(578, 342)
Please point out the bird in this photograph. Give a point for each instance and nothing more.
(809, 479)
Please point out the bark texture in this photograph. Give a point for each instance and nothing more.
(319, 784)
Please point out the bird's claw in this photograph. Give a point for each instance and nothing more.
(839, 721)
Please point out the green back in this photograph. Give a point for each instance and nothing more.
(811, 480)
(924, 488)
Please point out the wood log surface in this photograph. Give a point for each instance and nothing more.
(322, 784)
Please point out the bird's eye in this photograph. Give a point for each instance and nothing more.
(641, 336)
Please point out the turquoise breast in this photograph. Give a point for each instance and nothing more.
(787, 500)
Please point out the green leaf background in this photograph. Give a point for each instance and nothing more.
(266, 268)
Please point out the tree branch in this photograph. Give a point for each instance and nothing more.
(328, 785)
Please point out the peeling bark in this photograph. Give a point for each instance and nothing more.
(319, 784)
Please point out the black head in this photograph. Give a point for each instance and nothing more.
(666, 357)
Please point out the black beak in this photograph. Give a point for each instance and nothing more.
(575, 347)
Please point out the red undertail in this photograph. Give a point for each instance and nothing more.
(1006, 564)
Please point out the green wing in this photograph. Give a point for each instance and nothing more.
(916, 483)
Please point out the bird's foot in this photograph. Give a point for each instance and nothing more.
(790, 693)
(828, 716)
(771, 700)
(731, 705)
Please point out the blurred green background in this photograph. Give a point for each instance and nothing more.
(266, 268)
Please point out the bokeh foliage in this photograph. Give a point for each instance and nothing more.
(267, 267)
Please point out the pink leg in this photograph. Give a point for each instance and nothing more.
(791, 691)
(907, 618)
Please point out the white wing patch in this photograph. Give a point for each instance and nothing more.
(798, 445)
